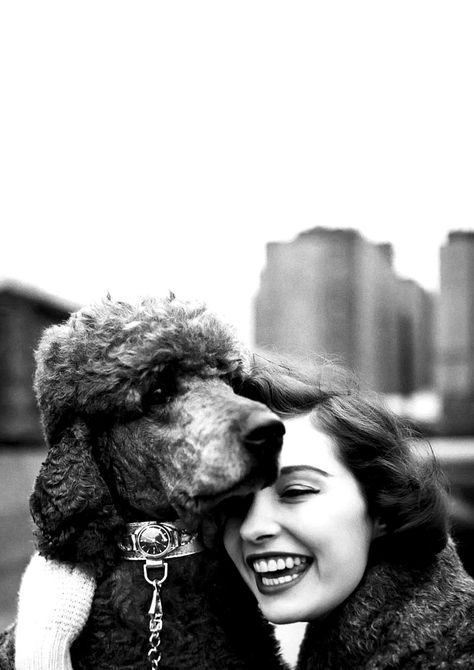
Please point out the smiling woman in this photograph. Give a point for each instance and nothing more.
(353, 535)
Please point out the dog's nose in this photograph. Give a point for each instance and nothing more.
(263, 432)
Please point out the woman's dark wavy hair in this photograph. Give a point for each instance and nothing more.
(404, 489)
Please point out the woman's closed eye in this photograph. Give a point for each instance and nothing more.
(298, 491)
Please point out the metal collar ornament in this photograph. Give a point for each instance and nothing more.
(153, 542)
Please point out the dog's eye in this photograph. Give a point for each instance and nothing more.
(155, 396)
(158, 395)
(162, 388)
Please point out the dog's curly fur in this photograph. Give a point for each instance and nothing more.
(143, 420)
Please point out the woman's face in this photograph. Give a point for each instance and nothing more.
(302, 544)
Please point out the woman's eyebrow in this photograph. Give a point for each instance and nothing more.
(290, 469)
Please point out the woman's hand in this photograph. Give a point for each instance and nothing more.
(53, 606)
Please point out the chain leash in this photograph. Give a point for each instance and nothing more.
(152, 542)
(156, 610)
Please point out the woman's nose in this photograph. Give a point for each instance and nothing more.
(260, 523)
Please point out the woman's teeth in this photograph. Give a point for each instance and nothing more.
(273, 581)
(292, 566)
(274, 564)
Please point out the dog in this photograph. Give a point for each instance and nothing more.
(145, 423)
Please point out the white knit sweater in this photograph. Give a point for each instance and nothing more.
(53, 606)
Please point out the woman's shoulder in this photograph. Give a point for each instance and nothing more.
(435, 622)
(400, 617)
(450, 580)
(446, 592)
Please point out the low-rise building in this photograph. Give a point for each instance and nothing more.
(24, 313)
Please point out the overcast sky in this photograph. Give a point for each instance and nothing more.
(155, 145)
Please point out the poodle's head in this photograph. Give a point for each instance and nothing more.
(143, 420)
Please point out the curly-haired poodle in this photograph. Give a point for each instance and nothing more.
(144, 422)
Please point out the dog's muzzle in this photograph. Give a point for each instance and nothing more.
(154, 543)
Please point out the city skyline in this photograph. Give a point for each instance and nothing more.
(213, 276)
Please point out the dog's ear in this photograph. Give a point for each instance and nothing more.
(71, 503)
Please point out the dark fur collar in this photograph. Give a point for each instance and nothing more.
(399, 617)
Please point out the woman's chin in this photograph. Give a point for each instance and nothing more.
(283, 620)
(282, 616)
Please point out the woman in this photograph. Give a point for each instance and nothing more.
(352, 537)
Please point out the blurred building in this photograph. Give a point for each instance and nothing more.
(24, 313)
(334, 293)
(455, 355)
(416, 323)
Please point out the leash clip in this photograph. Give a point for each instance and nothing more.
(155, 565)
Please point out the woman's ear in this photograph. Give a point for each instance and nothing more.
(71, 504)
(379, 529)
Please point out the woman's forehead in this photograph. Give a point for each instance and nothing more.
(306, 444)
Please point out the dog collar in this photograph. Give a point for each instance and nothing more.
(153, 540)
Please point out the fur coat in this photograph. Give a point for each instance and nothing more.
(418, 618)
